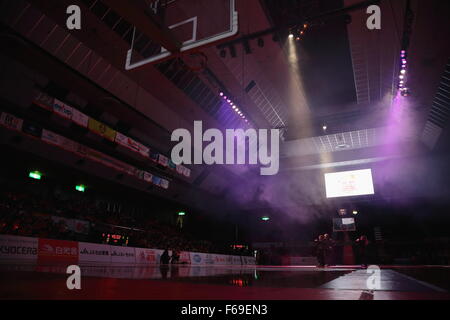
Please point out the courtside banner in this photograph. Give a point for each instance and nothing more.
(220, 259)
(102, 129)
(185, 257)
(236, 260)
(80, 118)
(123, 255)
(90, 252)
(209, 258)
(62, 109)
(197, 258)
(18, 248)
(11, 122)
(148, 256)
(50, 250)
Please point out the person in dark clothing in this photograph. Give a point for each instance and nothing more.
(320, 250)
(328, 245)
(361, 250)
(175, 257)
(165, 258)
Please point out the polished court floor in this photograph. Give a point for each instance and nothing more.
(19, 281)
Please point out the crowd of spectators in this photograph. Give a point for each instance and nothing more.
(32, 215)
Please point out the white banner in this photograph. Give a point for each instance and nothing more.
(148, 177)
(10, 121)
(163, 160)
(197, 258)
(51, 137)
(122, 255)
(236, 260)
(187, 172)
(148, 256)
(80, 118)
(18, 248)
(62, 109)
(91, 252)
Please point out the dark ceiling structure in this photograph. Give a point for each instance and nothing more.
(344, 77)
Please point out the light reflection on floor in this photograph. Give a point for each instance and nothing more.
(22, 281)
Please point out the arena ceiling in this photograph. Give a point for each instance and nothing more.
(344, 77)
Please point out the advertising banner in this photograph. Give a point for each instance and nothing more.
(101, 129)
(148, 256)
(80, 118)
(122, 255)
(209, 258)
(11, 122)
(180, 169)
(127, 142)
(172, 165)
(80, 226)
(57, 251)
(62, 109)
(90, 252)
(148, 177)
(236, 260)
(187, 172)
(154, 156)
(32, 129)
(156, 180)
(68, 144)
(18, 248)
(197, 258)
(163, 160)
(220, 259)
(43, 100)
(51, 137)
(185, 257)
(164, 184)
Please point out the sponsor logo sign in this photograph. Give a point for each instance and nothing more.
(90, 252)
(62, 109)
(101, 129)
(148, 256)
(18, 248)
(11, 122)
(122, 254)
(80, 118)
(44, 101)
(57, 250)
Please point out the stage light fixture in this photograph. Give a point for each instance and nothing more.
(265, 218)
(324, 127)
(181, 213)
(355, 212)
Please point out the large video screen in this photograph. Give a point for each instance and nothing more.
(349, 183)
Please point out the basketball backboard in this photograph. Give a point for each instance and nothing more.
(193, 23)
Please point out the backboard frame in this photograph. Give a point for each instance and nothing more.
(188, 45)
